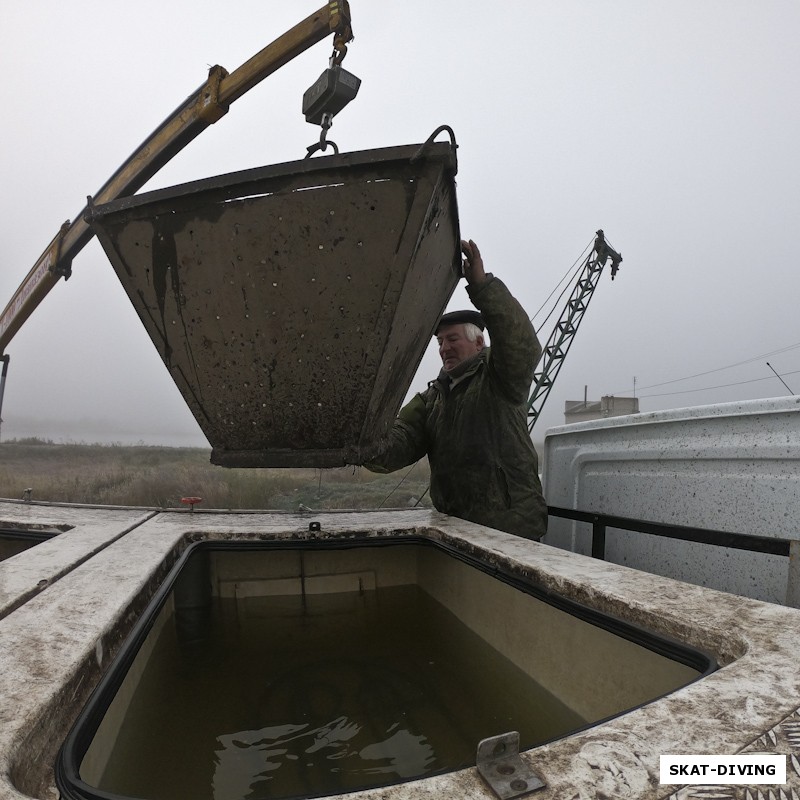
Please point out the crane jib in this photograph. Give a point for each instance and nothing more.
(200, 110)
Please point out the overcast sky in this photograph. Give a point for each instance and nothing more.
(671, 125)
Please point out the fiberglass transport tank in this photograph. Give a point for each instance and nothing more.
(608, 642)
(293, 303)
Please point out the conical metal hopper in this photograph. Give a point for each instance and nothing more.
(293, 303)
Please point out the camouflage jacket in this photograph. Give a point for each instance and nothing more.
(484, 467)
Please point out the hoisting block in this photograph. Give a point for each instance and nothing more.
(293, 303)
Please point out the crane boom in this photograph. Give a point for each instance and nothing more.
(201, 109)
(555, 351)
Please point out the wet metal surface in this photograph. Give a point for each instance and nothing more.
(292, 304)
(729, 467)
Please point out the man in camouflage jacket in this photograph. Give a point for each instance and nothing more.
(472, 420)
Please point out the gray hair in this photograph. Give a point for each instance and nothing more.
(472, 331)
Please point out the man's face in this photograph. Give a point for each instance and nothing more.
(454, 347)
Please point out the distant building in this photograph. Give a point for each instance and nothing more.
(608, 406)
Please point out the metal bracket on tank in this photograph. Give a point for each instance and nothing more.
(500, 765)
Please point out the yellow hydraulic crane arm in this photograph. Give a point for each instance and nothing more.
(201, 109)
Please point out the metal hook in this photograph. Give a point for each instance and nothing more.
(323, 143)
(339, 50)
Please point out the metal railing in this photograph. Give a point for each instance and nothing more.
(739, 541)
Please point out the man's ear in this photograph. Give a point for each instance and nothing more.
(479, 340)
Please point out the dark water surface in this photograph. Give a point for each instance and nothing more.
(283, 697)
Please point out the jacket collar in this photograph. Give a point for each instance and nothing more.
(461, 372)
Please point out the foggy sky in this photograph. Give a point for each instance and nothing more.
(673, 126)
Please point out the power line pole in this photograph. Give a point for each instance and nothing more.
(779, 377)
(5, 359)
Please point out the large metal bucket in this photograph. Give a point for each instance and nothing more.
(293, 303)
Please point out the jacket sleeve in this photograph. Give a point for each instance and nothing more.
(407, 441)
(515, 349)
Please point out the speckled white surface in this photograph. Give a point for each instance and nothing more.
(54, 645)
(732, 467)
(27, 573)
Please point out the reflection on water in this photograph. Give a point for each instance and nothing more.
(277, 697)
(249, 758)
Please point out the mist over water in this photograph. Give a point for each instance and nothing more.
(670, 126)
(100, 431)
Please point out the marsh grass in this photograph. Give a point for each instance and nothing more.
(161, 476)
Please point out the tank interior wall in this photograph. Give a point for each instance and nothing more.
(589, 669)
(98, 755)
(259, 573)
(732, 467)
(607, 673)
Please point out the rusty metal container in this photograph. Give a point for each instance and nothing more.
(293, 303)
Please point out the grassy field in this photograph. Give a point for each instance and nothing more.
(161, 476)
